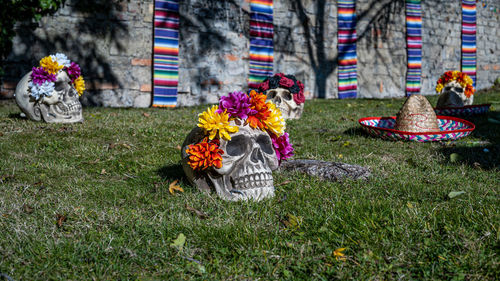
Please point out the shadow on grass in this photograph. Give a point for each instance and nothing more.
(173, 172)
(17, 116)
(484, 153)
(356, 131)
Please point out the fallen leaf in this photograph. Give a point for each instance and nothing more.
(28, 209)
(283, 183)
(60, 220)
(292, 222)
(178, 147)
(335, 138)
(126, 145)
(95, 161)
(179, 242)
(455, 157)
(338, 254)
(347, 143)
(103, 171)
(111, 145)
(454, 194)
(145, 114)
(199, 213)
(173, 186)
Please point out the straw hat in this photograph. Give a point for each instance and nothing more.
(417, 116)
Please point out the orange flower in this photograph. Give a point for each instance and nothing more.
(205, 154)
(260, 109)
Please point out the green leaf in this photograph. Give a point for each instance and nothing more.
(455, 157)
(179, 242)
(454, 194)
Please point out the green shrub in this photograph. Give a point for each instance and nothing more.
(14, 11)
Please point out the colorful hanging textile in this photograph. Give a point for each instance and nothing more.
(347, 58)
(469, 38)
(166, 52)
(261, 41)
(414, 46)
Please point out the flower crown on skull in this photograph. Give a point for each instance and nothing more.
(251, 110)
(285, 81)
(43, 78)
(461, 78)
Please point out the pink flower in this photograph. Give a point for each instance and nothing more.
(286, 82)
(299, 98)
(280, 75)
(237, 105)
(282, 146)
(39, 76)
(264, 86)
(74, 71)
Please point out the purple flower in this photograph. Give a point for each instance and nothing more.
(74, 71)
(39, 76)
(282, 146)
(237, 104)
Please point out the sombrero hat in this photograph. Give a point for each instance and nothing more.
(416, 121)
(467, 110)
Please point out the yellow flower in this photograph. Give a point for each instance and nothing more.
(50, 66)
(439, 87)
(213, 122)
(339, 255)
(275, 122)
(79, 85)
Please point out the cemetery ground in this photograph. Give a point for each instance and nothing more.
(92, 201)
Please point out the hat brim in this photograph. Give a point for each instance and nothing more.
(467, 110)
(450, 128)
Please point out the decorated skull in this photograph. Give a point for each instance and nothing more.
(286, 92)
(51, 92)
(455, 89)
(236, 146)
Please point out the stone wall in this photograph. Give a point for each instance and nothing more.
(112, 41)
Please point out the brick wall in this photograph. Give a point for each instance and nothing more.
(113, 43)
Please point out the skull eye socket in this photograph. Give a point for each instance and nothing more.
(60, 85)
(265, 144)
(237, 145)
(271, 94)
(287, 95)
(458, 90)
(447, 88)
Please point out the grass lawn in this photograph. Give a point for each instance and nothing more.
(91, 201)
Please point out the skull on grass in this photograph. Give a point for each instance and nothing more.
(52, 98)
(455, 90)
(248, 160)
(286, 92)
(238, 158)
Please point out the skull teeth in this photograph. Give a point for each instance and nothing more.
(258, 180)
(72, 107)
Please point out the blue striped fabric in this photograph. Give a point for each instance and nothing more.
(347, 57)
(166, 52)
(261, 41)
(414, 46)
(469, 39)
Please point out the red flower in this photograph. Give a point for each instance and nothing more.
(286, 82)
(301, 86)
(205, 154)
(299, 98)
(264, 86)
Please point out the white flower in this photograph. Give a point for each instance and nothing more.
(61, 59)
(38, 91)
